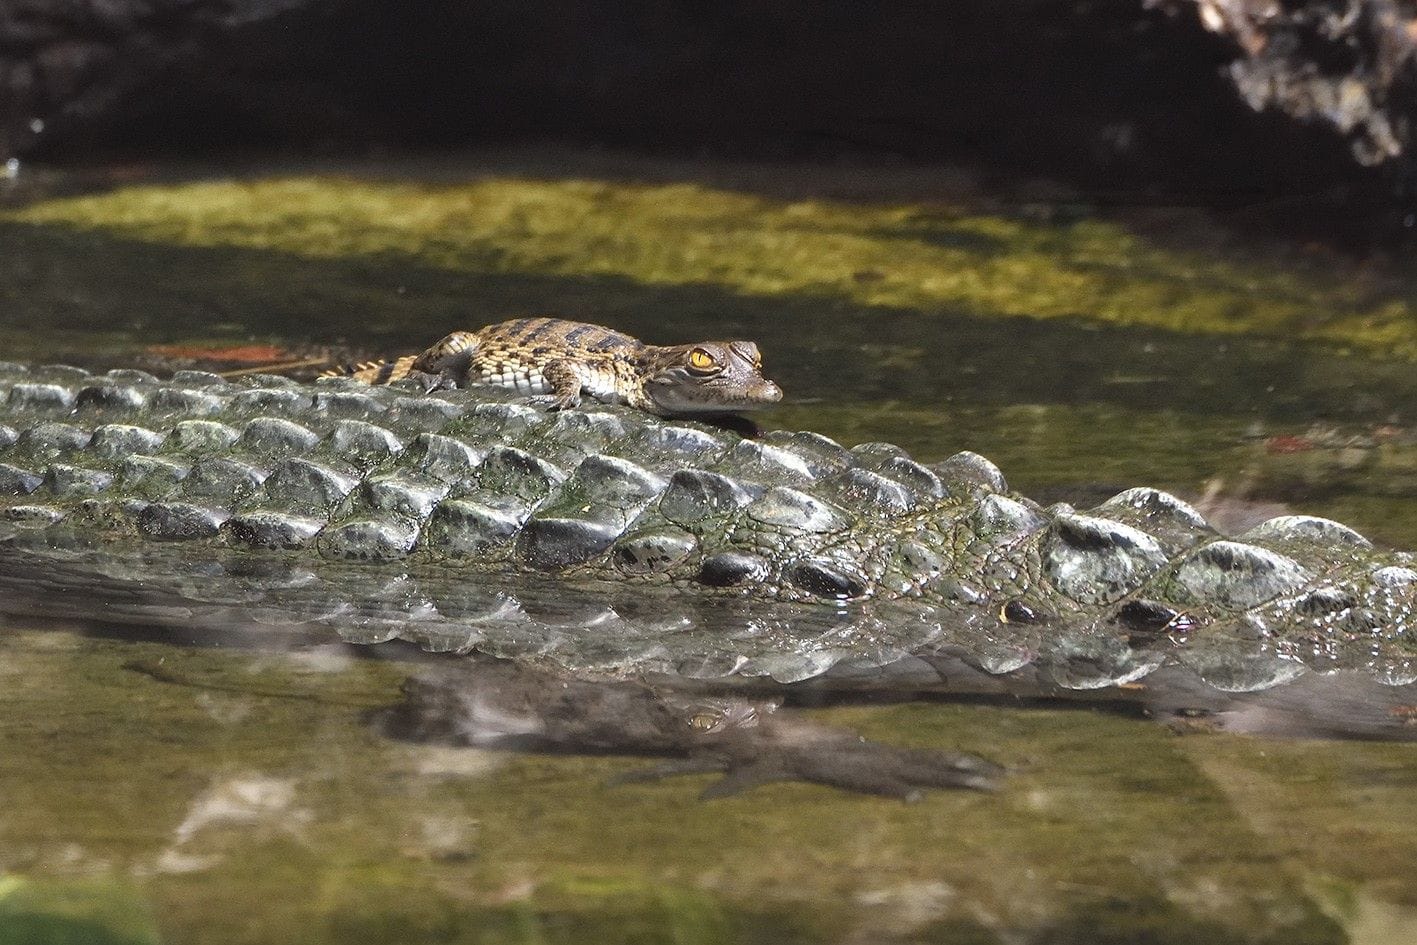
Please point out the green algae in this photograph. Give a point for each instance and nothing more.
(886, 256)
(239, 797)
(73, 912)
(1359, 819)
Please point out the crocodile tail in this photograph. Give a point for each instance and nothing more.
(376, 372)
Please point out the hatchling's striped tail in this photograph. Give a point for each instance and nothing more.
(376, 372)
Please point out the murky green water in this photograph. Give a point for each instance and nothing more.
(167, 783)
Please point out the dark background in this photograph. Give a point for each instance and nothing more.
(1125, 103)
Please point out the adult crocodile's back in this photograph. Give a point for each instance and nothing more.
(469, 482)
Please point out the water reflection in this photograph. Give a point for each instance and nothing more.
(700, 664)
(500, 704)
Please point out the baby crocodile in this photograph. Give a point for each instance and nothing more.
(562, 361)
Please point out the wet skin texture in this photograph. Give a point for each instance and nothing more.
(473, 482)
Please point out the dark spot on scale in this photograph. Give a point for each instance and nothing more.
(576, 334)
(551, 544)
(519, 326)
(731, 568)
(541, 351)
(1146, 615)
(826, 580)
(1016, 611)
(1149, 620)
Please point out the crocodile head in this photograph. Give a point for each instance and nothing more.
(709, 377)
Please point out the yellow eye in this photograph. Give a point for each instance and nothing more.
(704, 721)
(702, 360)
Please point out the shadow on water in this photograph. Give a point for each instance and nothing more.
(111, 297)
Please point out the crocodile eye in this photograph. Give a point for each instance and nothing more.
(702, 361)
(704, 721)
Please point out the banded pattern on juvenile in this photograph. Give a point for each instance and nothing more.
(562, 361)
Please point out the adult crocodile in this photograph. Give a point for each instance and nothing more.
(604, 539)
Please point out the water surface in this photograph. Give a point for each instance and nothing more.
(174, 781)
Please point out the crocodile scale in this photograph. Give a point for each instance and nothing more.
(474, 480)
